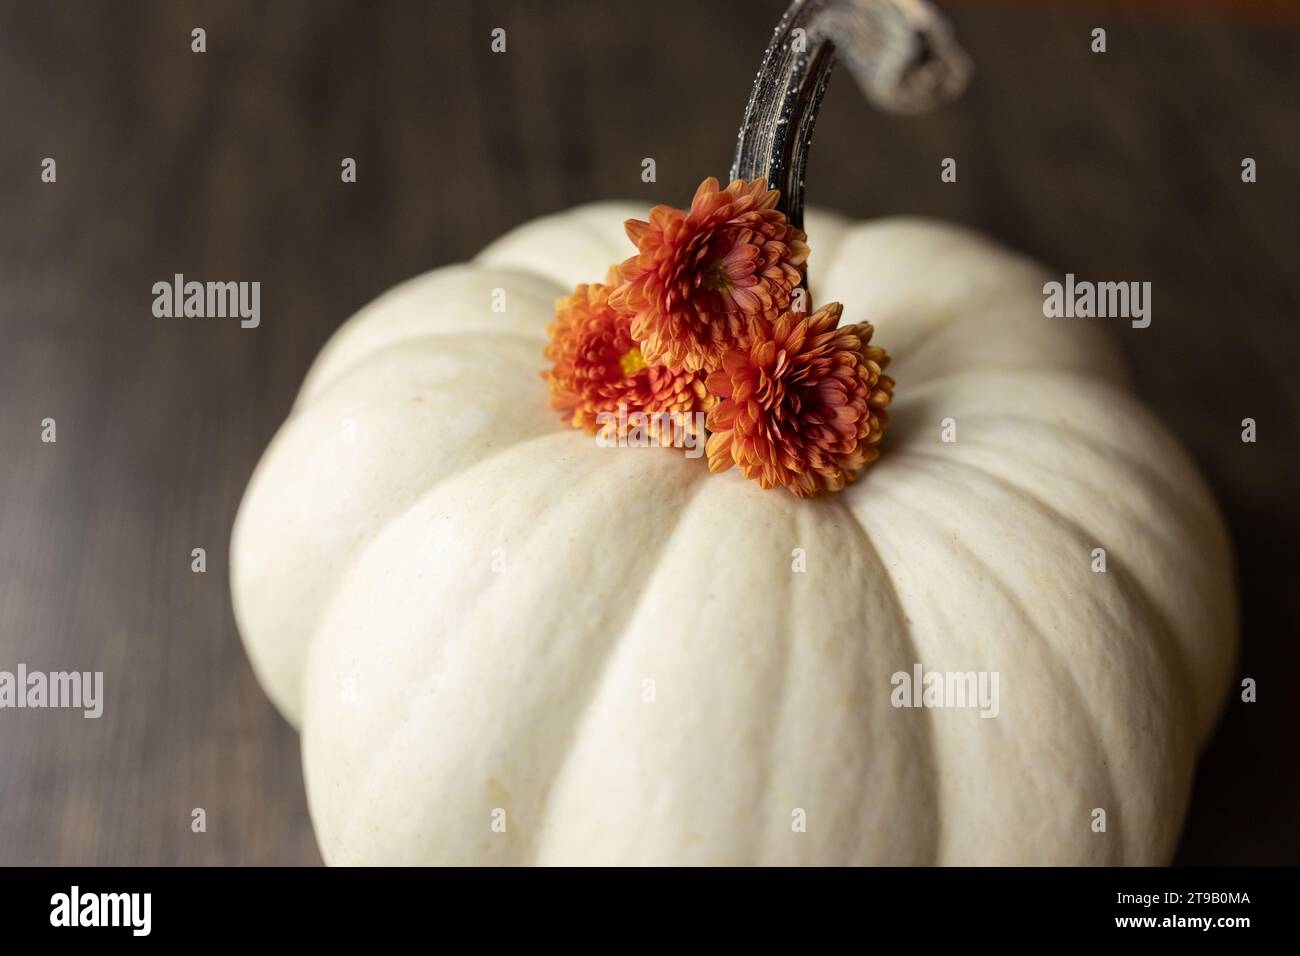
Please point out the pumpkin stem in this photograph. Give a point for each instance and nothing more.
(901, 52)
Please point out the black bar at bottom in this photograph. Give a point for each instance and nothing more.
(559, 905)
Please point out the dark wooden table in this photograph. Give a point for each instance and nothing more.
(226, 164)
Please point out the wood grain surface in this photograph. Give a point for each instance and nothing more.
(225, 165)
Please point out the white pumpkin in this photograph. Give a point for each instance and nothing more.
(504, 644)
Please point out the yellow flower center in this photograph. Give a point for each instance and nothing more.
(715, 279)
(632, 361)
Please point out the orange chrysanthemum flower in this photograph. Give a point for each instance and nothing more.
(699, 278)
(804, 406)
(598, 368)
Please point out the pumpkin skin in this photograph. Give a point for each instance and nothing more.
(459, 600)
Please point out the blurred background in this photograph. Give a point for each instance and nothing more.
(226, 165)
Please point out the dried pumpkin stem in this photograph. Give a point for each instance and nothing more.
(901, 52)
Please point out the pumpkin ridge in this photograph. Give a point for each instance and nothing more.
(1172, 652)
(777, 707)
(374, 320)
(455, 337)
(979, 313)
(374, 775)
(1048, 657)
(595, 681)
(357, 554)
(568, 270)
(931, 755)
(1140, 470)
(1061, 669)
(1167, 653)
(1000, 283)
(283, 462)
(1194, 499)
(1183, 653)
